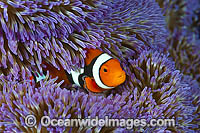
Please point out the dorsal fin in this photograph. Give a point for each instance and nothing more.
(91, 54)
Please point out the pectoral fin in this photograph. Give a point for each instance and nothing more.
(91, 85)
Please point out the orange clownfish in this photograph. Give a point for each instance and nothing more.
(101, 72)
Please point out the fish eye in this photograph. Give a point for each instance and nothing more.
(105, 70)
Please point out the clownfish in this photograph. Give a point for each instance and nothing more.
(101, 72)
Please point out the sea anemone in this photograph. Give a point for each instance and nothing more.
(136, 24)
(33, 30)
(17, 100)
(183, 15)
(174, 11)
(153, 69)
(185, 53)
(167, 90)
(131, 27)
(58, 32)
(183, 23)
(189, 97)
(191, 20)
(135, 32)
(160, 95)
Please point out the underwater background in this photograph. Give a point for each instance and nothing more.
(156, 41)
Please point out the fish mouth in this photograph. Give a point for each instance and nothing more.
(120, 79)
(121, 76)
(117, 80)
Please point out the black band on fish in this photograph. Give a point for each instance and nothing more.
(81, 80)
(69, 76)
(88, 68)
